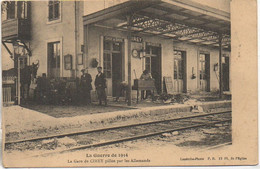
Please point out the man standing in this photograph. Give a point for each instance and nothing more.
(145, 76)
(100, 84)
(86, 87)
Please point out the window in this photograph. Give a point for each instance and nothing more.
(107, 65)
(111, 46)
(10, 10)
(22, 9)
(54, 10)
(15, 9)
(178, 65)
(202, 66)
(54, 59)
(148, 64)
(151, 52)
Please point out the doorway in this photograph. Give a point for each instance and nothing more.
(204, 72)
(113, 65)
(116, 72)
(54, 59)
(179, 72)
(225, 67)
(153, 64)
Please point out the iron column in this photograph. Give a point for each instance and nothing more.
(220, 67)
(129, 37)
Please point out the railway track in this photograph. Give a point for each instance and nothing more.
(113, 135)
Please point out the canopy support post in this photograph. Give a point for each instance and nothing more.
(129, 37)
(220, 68)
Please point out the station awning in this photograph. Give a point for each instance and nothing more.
(180, 20)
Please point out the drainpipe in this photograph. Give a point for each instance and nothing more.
(76, 40)
(220, 67)
(19, 82)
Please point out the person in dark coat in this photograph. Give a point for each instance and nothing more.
(100, 84)
(146, 75)
(86, 87)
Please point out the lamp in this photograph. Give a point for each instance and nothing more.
(16, 47)
(193, 76)
(142, 53)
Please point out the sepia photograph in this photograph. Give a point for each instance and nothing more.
(124, 83)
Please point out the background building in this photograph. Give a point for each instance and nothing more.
(51, 30)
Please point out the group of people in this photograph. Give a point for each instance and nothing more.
(100, 85)
(86, 87)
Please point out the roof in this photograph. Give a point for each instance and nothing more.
(180, 20)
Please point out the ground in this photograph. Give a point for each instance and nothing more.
(180, 144)
(199, 139)
(61, 111)
(69, 118)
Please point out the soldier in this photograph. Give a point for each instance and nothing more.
(86, 87)
(100, 84)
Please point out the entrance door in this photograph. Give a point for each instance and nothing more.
(54, 59)
(116, 72)
(179, 74)
(113, 67)
(153, 64)
(204, 72)
(225, 67)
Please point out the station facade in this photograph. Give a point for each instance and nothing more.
(178, 40)
(192, 67)
(187, 53)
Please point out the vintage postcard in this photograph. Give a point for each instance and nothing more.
(108, 83)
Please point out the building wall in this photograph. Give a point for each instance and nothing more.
(91, 6)
(63, 30)
(168, 46)
(193, 52)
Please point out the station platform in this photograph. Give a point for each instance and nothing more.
(25, 123)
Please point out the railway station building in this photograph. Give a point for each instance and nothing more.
(184, 41)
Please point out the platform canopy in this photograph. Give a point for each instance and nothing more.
(180, 20)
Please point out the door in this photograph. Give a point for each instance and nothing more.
(225, 67)
(204, 72)
(179, 74)
(112, 63)
(153, 64)
(54, 59)
(116, 72)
